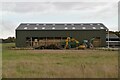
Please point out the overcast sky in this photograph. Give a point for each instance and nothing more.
(14, 13)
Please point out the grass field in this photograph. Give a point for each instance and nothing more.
(59, 63)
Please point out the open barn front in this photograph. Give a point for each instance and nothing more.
(59, 42)
(45, 42)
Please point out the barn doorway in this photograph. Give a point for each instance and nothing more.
(97, 42)
(28, 42)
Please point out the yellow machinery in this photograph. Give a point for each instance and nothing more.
(67, 43)
(82, 46)
(71, 41)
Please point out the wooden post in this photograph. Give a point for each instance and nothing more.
(31, 41)
(46, 42)
(61, 38)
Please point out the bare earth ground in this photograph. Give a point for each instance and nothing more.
(59, 63)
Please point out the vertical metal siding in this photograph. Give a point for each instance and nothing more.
(77, 34)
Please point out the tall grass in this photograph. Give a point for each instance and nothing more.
(59, 63)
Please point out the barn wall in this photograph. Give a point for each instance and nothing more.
(80, 35)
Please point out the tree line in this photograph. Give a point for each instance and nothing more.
(8, 40)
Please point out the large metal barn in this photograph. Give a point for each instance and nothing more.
(36, 34)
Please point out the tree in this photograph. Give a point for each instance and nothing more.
(9, 40)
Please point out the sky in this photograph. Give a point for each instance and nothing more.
(13, 13)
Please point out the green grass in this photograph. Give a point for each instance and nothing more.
(59, 63)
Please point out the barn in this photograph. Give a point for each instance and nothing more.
(28, 34)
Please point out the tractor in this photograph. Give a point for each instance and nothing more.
(73, 43)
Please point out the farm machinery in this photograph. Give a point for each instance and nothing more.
(73, 43)
(68, 43)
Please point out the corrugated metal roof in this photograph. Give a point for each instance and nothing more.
(112, 36)
(61, 26)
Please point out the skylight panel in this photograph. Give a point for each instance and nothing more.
(53, 27)
(73, 27)
(65, 24)
(28, 24)
(44, 24)
(53, 24)
(37, 24)
(91, 24)
(43, 27)
(83, 27)
(81, 24)
(98, 24)
(94, 27)
(66, 27)
(35, 28)
(101, 27)
(25, 27)
(72, 24)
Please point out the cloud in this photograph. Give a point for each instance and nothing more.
(60, 0)
(23, 7)
(8, 29)
(42, 7)
(16, 12)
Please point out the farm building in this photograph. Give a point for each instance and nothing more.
(114, 40)
(32, 34)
